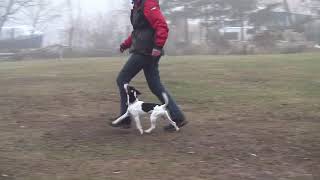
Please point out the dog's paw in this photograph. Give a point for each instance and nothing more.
(148, 131)
(141, 132)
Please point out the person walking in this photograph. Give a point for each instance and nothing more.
(146, 42)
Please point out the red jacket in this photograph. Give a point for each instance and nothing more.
(157, 21)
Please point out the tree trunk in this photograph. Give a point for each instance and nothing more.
(70, 39)
(206, 24)
(289, 15)
(242, 38)
(71, 23)
(186, 30)
(6, 14)
(35, 21)
(1, 25)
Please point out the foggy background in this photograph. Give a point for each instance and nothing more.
(73, 28)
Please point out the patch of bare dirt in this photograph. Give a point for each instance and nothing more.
(66, 136)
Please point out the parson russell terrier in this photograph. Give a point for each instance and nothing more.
(137, 108)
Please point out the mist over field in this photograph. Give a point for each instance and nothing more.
(97, 28)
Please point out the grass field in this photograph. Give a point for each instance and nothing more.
(251, 118)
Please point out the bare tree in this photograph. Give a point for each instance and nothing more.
(100, 35)
(9, 8)
(288, 10)
(71, 23)
(41, 14)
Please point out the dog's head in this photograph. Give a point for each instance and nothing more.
(132, 92)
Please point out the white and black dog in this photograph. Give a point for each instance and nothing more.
(137, 108)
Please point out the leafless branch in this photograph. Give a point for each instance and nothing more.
(9, 8)
(39, 14)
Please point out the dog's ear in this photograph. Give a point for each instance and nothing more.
(138, 92)
(126, 87)
(130, 88)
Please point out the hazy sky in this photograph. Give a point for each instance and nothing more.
(92, 6)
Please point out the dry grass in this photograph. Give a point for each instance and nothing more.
(252, 117)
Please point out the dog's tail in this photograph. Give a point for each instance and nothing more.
(166, 99)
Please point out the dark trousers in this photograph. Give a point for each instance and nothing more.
(150, 67)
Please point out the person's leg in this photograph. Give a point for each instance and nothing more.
(129, 71)
(151, 71)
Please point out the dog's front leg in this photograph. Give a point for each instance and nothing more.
(138, 124)
(121, 118)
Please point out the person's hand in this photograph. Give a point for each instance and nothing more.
(156, 52)
(123, 48)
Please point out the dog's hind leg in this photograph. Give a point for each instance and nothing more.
(121, 118)
(174, 124)
(138, 124)
(153, 121)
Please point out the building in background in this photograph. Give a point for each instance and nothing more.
(20, 37)
(285, 13)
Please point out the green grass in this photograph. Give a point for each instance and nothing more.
(187, 77)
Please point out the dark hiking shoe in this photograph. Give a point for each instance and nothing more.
(171, 128)
(124, 124)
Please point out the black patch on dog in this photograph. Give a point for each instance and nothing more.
(147, 107)
(132, 98)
